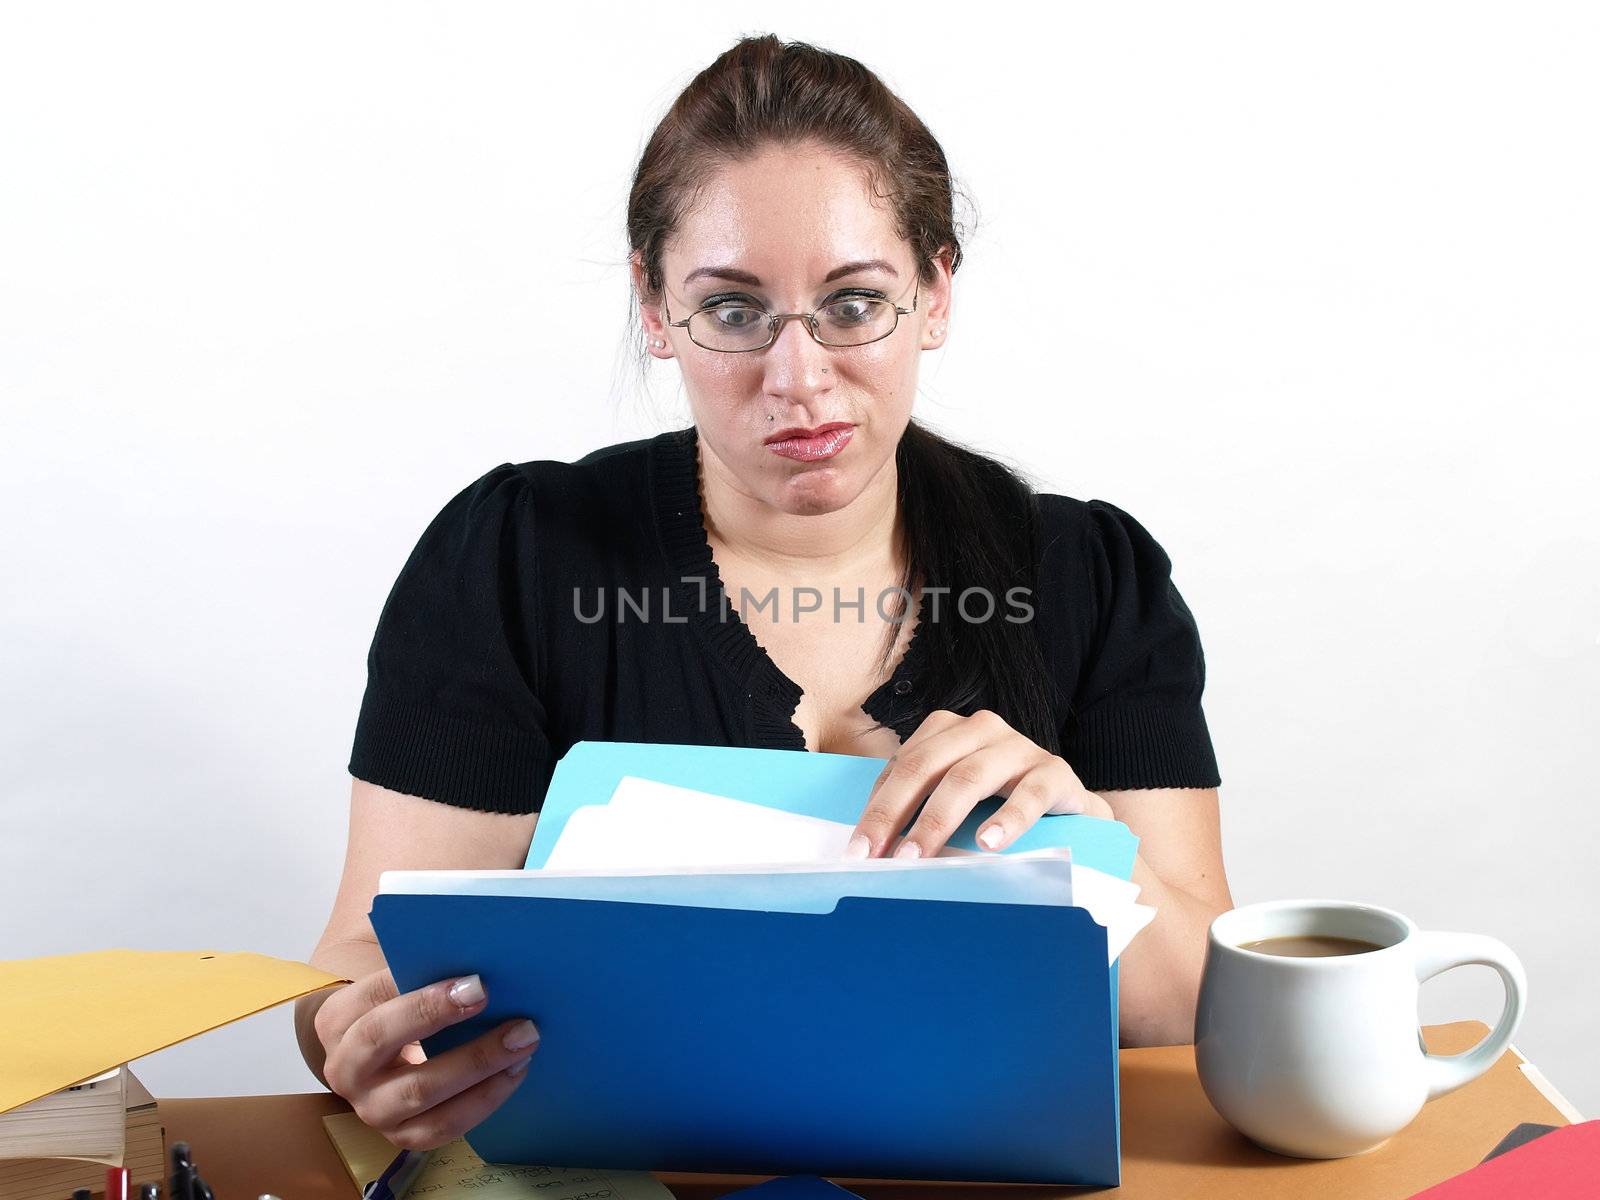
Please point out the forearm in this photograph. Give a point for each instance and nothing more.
(350, 959)
(1159, 973)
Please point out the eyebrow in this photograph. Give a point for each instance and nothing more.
(734, 275)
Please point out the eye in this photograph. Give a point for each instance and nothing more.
(737, 316)
(857, 310)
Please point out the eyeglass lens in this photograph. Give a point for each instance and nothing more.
(850, 322)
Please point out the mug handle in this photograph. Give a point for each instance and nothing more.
(1439, 952)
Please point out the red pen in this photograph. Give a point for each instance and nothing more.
(116, 1183)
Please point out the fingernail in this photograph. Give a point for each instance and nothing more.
(991, 837)
(518, 1067)
(467, 992)
(908, 850)
(521, 1035)
(860, 846)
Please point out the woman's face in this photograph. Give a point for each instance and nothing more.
(776, 228)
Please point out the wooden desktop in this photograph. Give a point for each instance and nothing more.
(1173, 1143)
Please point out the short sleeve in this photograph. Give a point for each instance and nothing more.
(1135, 720)
(451, 710)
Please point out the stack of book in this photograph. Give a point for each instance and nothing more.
(63, 1141)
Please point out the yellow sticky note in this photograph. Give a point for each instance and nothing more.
(455, 1172)
(68, 1017)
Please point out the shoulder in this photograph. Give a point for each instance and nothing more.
(1063, 526)
(603, 476)
(1064, 518)
(1096, 541)
(559, 498)
(605, 473)
(1102, 575)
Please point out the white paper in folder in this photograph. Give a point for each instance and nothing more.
(663, 828)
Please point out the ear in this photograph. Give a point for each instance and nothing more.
(935, 305)
(655, 329)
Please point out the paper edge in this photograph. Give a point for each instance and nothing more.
(1545, 1088)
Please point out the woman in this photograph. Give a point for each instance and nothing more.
(793, 248)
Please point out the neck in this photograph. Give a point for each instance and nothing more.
(851, 543)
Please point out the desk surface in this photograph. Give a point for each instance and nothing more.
(1173, 1143)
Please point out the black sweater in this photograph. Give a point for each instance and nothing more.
(487, 665)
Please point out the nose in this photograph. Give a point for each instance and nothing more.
(802, 330)
(795, 360)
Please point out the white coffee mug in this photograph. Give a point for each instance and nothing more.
(1323, 1057)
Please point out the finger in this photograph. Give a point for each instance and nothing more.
(409, 1091)
(444, 1123)
(941, 739)
(860, 844)
(989, 770)
(1048, 786)
(1075, 798)
(375, 1038)
(341, 1010)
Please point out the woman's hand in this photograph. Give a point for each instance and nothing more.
(372, 1035)
(964, 760)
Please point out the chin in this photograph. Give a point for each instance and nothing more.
(814, 492)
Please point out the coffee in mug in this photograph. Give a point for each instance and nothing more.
(1306, 1037)
(1314, 946)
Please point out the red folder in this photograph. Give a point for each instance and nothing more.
(1563, 1164)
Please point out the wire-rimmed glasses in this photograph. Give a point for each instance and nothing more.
(735, 327)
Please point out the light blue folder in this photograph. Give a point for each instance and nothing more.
(887, 1038)
(832, 786)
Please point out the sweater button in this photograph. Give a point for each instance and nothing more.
(901, 688)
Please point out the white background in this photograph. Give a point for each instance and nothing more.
(1310, 293)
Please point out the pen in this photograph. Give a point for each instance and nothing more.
(186, 1183)
(398, 1176)
(178, 1184)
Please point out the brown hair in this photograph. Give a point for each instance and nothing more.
(971, 522)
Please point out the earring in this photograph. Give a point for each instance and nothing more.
(770, 417)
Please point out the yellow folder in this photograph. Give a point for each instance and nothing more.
(67, 1017)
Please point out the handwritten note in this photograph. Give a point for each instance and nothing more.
(456, 1170)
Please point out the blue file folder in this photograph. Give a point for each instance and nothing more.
(888, 1038)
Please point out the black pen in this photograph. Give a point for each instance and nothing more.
(186, 1183)
(199, 1189)
(181, 1184)
(398, 1176)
